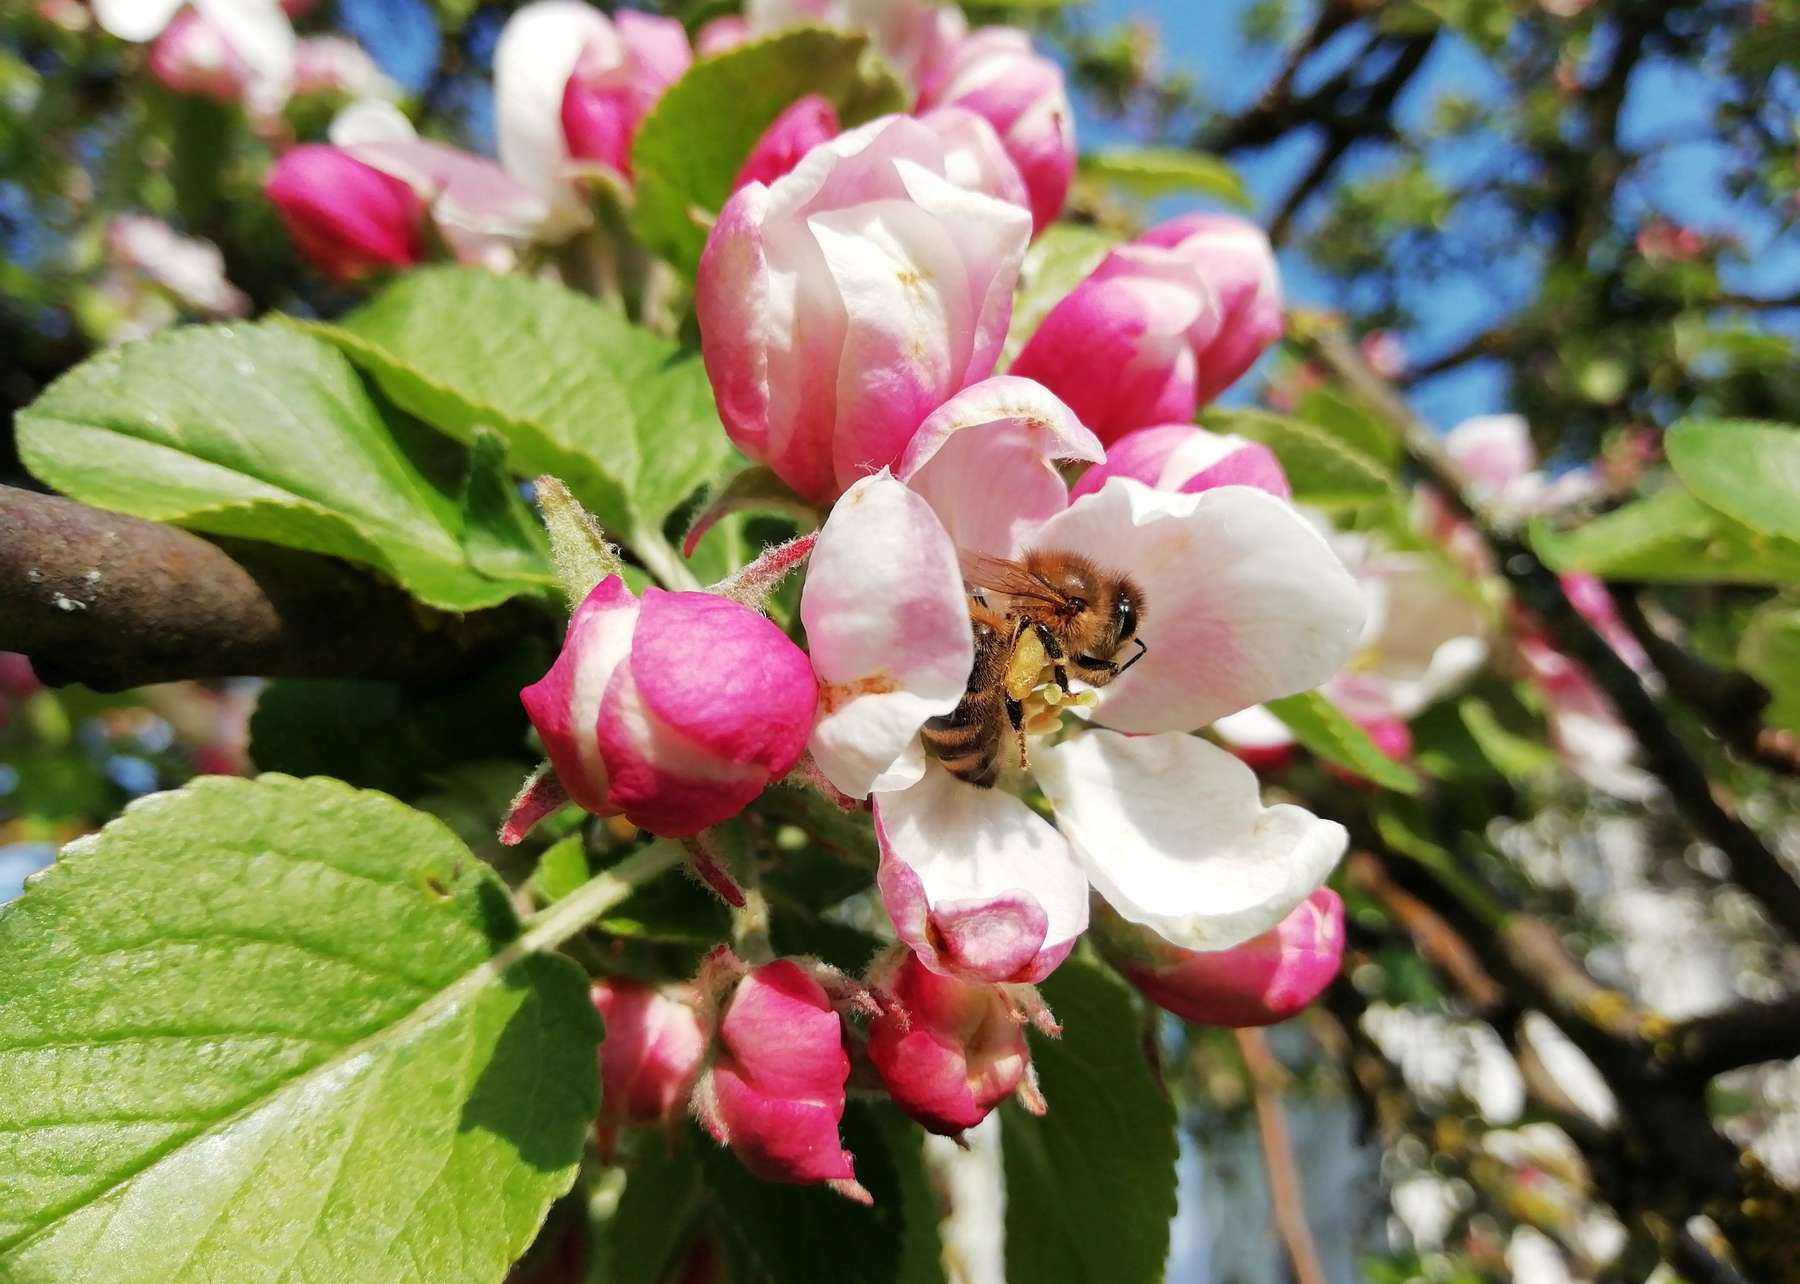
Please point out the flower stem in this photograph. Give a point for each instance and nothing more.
(661, 559)
(550, 927)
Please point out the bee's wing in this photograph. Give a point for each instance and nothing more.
(1000, 575)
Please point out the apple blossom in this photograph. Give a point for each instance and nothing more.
(805, 124)
(843, 303)
(229, 50)
(1244, 602)
(1119, 347)
(1181, 457)
(1264, 980)
(1585, 729)
(727, 31)
(571, 87)
(190, 268)
(1161, 326)
(947, 1051)
(336, 65)
(651, 1053)
(674, 711)
(913, 37)
(1235, 257)
(774, 1088)
(481, 212)
(995, 73)
(347, 217)
(193, 56)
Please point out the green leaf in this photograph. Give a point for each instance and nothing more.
(1514, 755)
(1153, 172)
(810, 1233)
(279, 1029)
(700, 132)
(1324, 729)
(662, 1195)
(381, 735)
(1090, 1187)
(500, 535)
(1347, 420)
(1324, 470)
(1056, 263)
(1669, 537)
(260, 432)
(623, 416)
(1743, 467)
(1770, 653)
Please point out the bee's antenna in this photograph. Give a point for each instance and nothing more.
(1143, 650)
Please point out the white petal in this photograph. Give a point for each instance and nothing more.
(1253, 728)
(259, 33)
(1172, 833)
(371, 121)
(986, 460)
(1243, 601)
(536, 55)
(136, 20)
(976, 882)
(1423, 638)
(887, 624)
(1493, 451)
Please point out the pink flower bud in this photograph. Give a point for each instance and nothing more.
(349, 219)
(1120, 347)
(616, 82)
(995, 73)
(1161, 326)
(775, 1090)
(948, 1052)
(194, 56)
(1264, 980)
(846, 301)
(650, 1055)
(725, 32)
(805, 124)
(1181, 457)
(674, 711)
(1234, 257)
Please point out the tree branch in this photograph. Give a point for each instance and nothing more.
(1757, 868)
(1730, 704)
(1746, 1035)
(115, 602)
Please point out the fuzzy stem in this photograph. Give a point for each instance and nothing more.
(661, 559)
(552, 926)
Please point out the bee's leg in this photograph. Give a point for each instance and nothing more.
(1053, 649)
(1015, 714)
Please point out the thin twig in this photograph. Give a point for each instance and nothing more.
(1756, 867)
(1286, 1196)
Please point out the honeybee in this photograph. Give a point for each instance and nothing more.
(1051, 613)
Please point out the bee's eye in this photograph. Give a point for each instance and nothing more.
(1125, 616)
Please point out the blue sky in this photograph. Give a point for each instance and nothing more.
(1686, 182)
(1665, 101)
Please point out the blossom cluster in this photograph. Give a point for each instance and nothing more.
(854, 298)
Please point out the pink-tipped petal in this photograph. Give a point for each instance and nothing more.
(347, 217)
(564, 705)
(887, 624)
(804, 124)
(986, 461)
(1119, 347)
(1185, 458)
(1171, 831)
(947, 1052)
(1235, 259)
(726, 677)
(1243, 600)
(978, 885)
(1266, 979)
(1494, 452)
(650, 1054)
